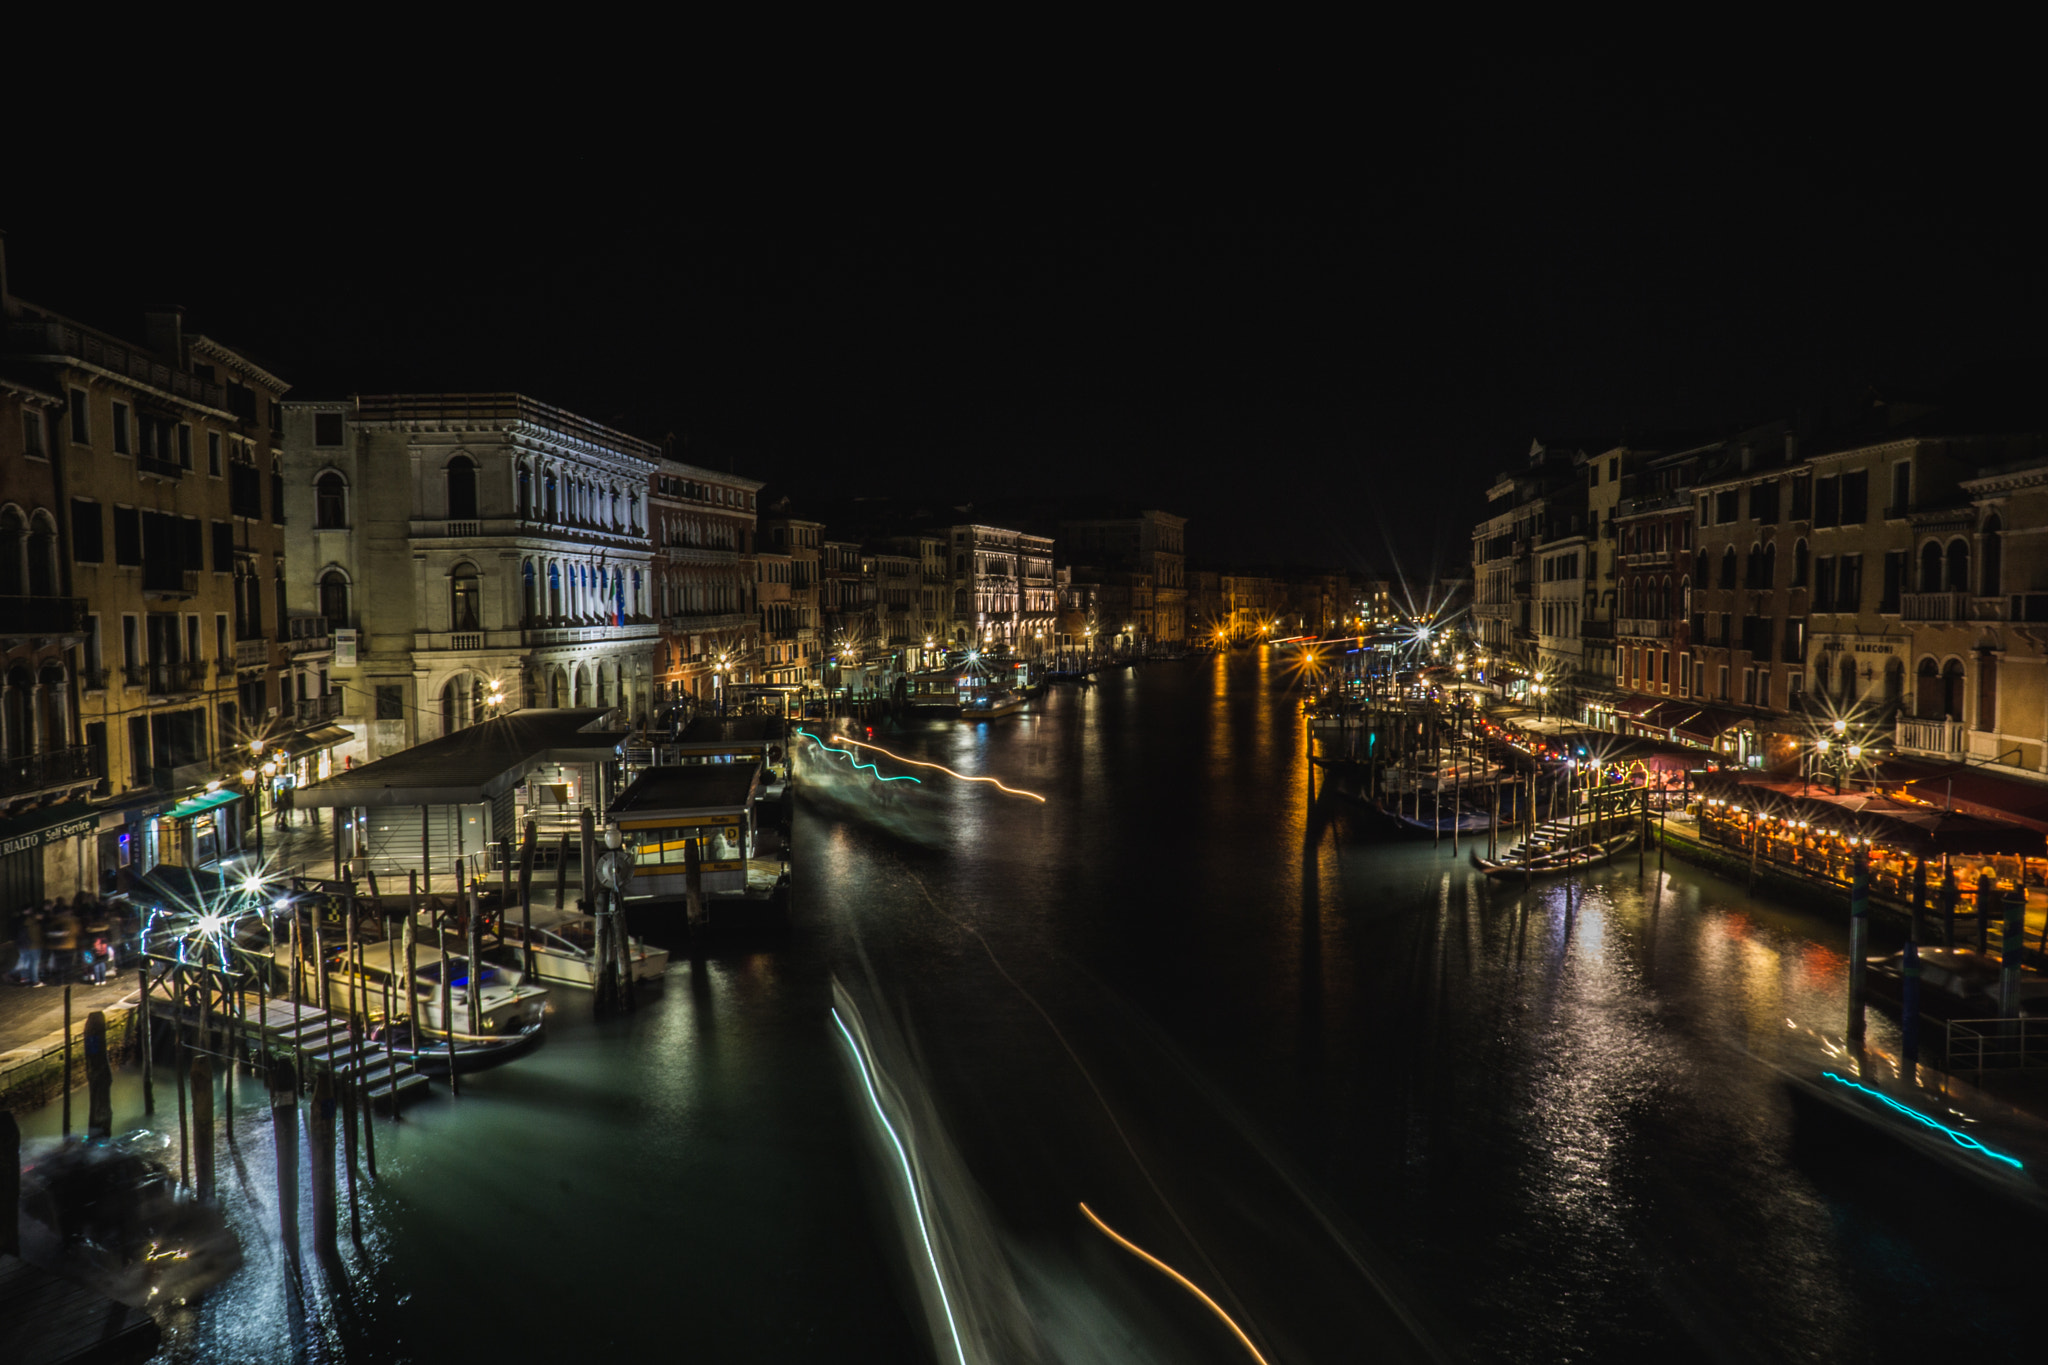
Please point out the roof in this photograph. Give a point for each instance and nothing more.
(475, 764)
(1924, 830)
(201, 803)
(729, 732)
(1971, 790)
(687, 788)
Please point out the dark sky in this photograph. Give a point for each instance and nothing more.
(1316, 325)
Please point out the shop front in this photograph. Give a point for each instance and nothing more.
(195, 832)
(46, 853)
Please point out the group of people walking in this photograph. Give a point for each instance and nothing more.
(82, 940)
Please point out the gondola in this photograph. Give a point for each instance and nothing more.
(1542, 858)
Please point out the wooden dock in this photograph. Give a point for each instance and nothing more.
(322, 1040)
(46, 1319)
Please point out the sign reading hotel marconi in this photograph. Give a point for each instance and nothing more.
(35, 838)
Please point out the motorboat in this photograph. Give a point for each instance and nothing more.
(373, 985)
(110, 1212)
(564, 945)
(428, 1052)
(981, 699)
(1960, 983)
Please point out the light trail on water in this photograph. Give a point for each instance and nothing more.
(909, 1178)
(901, 777)
(919, 763)
(1128, 1245)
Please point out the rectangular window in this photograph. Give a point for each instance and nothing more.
(191, 544)
(1802, 497)
(1763, 503)
(184, 446)
(192, 654)
(1704, 521)
(1894, 580)
(94, 660)
(32, 436)
(88, 543)
(1794, 651)
(213, 453)
(131, 641)
(326, 428)
(1827, 501)
(1727, 506)
(121, 438)
(81, 425)
(1724, 682)
(1665, 669)
(127, 536)
(1849, 583)
(1824, 583)
(1749, 687)
(220, 636)
(1855, 497)
(390, 703)
(1902, 489)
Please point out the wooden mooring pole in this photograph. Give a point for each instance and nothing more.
(412, 970)
(320, 1151)
(67, 1053)
(99, 1079)
(1859, 937)
(148, 1042)
(284, 1132)
(202, 1128)
(526, 849)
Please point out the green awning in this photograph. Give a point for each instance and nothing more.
(200, 803)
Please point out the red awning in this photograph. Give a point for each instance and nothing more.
(1970, 790)
(1636, 707)
(1705, 724)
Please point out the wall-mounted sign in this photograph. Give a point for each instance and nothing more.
(344, 648)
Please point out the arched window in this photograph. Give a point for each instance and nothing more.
(330, 502)
(1847, 671)
(17, 723)
(1894, 684)
(1699, 568)
(1728, 567)
(548, 495)
(462, 703)
(1930, 567)
(51, 698)
(461, 489)
(334, 597)
(1952, 689)
(42, 555)
(525, 494)
(1927, 686)
(1820, 677)
(1958, 566)
(1754, 568)
(555, 590)
(529, 593)
(639, 608)
(13, 552)
(463, 595)
(1799, 563)
(1770, 579)
(1993, 568)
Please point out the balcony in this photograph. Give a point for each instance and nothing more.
(76, 765)
(252, 653)
(24, 617)
(2027, 606)
(164, 679)
(308, 635)
(1934, 606)
(1640, 628)
(1942, 738)
(169, 584)
(151, 467)
(311, 711)
(56, 339)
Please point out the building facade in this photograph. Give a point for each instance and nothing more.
(1152, 542)
(797, 654)
(485, 550)
(706, 583)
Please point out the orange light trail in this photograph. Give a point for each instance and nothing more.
(918, 763)
(1128, 1245)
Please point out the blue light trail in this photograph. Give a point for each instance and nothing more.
(1961, 1139)
(855, 761)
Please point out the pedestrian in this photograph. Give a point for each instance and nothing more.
(29, 941)
(102, 958)
(60, 938)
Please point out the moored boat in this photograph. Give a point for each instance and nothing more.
(564, 946)
(1555, 849)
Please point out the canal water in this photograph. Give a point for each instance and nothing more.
(1371, 1104)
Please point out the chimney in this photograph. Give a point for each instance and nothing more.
(165, 334)
(1748, 456)
(1791, 447)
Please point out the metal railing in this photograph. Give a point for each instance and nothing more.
(32, 772)
(252, 653)
(1936, 736)
(1981, 1045)
(54, 338)
(313, 710)
(41, 615)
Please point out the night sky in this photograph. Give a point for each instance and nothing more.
(1316, 326)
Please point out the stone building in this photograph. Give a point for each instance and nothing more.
(706, 583)
(1152, 542)
(1541, 503)
(486, 551)
(1654, 541)
(931, 629)
(796, 655)
(171, 538)
(1004, 594)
